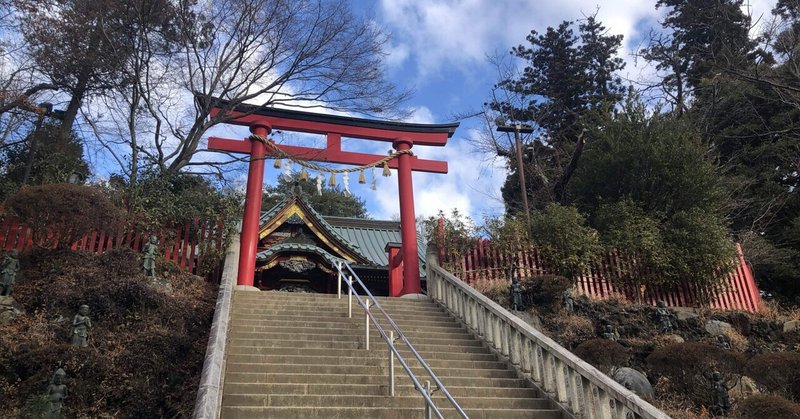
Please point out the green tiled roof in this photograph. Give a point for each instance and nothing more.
(371, 237)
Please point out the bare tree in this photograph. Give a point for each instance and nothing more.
(308, 54)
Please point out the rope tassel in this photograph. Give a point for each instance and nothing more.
(332, 181)
(277, 164)
(362, 178)
(304, 174)
(386, 171)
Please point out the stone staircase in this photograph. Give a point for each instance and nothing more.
(293, 355)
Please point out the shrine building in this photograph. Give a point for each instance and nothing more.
(298, 249)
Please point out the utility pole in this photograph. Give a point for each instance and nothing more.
(519, 129)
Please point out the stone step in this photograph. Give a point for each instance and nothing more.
(351, 360)
(296, 355)
(376, 353)
(314, 412)
(292, 303)
(354, 335)
(301, 313)
(411, 401)
(351, 329)
(256, 319)
(375, 390)
(295, 296)
(264, 346)
(345, 324)
(363, 370)
(378, 380)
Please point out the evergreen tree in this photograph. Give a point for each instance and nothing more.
(567, 85)
(57, 159)
(701, 39)
(650, 186)
(332, 202)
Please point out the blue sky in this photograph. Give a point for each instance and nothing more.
(439, 49)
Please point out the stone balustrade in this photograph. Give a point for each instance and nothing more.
(577, 386)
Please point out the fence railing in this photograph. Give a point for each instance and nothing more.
(187, 245)
(576, 385)
(737, 289)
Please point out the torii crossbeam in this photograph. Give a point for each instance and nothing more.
(263, 120)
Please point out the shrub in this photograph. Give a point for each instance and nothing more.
(625, 226)
(687, 368)
(573, 329)
(762, 406)
(544, 289)
(778, 371)
(604, 354)
(62, 213)
(564, 240)
(496, 289)
(452, 234)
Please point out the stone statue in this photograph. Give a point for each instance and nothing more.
(722, 342)
(150, 249)
(722, 402)
(608, 333)
(664, 317)
(81, 324)
(516, 292)
(56, 393)
(9, 273)
(569, 302)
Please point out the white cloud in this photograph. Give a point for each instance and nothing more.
(420, 115)
(438, 33)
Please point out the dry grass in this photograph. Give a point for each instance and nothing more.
(772, 311)
(738, 342)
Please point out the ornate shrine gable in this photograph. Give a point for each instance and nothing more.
(293, 226)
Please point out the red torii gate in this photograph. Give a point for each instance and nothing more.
(263, 120)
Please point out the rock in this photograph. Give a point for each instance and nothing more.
(674, 338)
(744, 388)
(717, 327)
(686, 314)
(634, 381)
(6, 300)
(741, 322)
(791, 326)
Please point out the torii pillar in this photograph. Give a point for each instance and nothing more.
(262, 120)
(252, 206)
(408, 220)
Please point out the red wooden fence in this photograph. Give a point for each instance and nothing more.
(483, 261)
(187, 245)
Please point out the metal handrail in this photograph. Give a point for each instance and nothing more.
(425, 391)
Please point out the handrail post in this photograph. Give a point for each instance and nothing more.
(427, 405)
(349, 298)
(366, 323)
(339, 282)
(391, 363)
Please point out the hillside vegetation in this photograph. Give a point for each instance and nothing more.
(145, 349)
